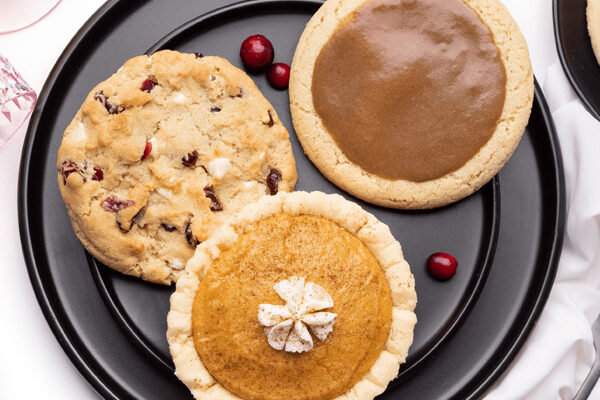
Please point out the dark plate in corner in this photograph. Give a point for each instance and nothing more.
(575, 51)
(113, 326)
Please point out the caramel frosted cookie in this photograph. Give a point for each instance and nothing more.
(411, 103)
(593, 19)
(300, 296)
(161, 153)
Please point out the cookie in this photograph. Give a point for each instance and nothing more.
(299, 296)
(162, 153)
(593, 20)
(411, 104)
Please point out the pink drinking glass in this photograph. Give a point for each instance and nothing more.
(17, 100)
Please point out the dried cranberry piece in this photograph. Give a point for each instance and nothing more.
(137, 216)
(114, 204)
(168, 228)
(215, 109)
(199, 55)
(148, 85)
(189, 236)
(271, 121)
(215, 204)
(112, 109)
(147, 150)
(68, 167)
(239, 95)
(98, 174)
(273, 180)
(189, 160)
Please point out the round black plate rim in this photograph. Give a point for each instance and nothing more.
(69, 343)
(565, 65)
(555, 249)
(475, 285)
(41, 292)
(124, 322)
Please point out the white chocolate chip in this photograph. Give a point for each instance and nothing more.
(177, 264)
(166, 193)
(218, 167)
(248, 184)
(179, 98)
(78, 135)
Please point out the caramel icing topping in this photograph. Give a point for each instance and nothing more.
(410, 89)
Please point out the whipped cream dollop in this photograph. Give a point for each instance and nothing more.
(287, 326)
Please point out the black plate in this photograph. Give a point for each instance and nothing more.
(576, 53)
(113, 326)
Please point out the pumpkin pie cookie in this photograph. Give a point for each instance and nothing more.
(411, 104)
(300, 296)
(593, 19)
(164, 151)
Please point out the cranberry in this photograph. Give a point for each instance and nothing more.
(239, 95)
(167, 227)
(199, 55)
(215, 204)
(442, 265)
(114, 204)
(68, 167)
(189, 236)
(273, 180)
(112, 109)
(189, 160)
(98, 174)
(215, 110)
(271, 121)
(147, 150)
(148, 85)
(279, 75)
(256, 52)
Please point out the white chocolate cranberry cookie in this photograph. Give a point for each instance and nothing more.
(163, 152)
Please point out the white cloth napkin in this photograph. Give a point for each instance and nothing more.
(559, 353)
(553, 362)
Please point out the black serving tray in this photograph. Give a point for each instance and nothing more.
(576, 53)
(507, 236)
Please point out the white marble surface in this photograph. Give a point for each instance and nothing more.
(556, 357)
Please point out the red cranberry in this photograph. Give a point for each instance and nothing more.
(215, 204)
(112, 109)
(442, 265)
(98, 174)
(189, 236)
(189, 160)
(147, 150)
(114, 204)
(273, 180)
(68, 167)
(256, 52)
(279, 75)
(148, 85)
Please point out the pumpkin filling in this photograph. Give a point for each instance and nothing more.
(233, 345)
